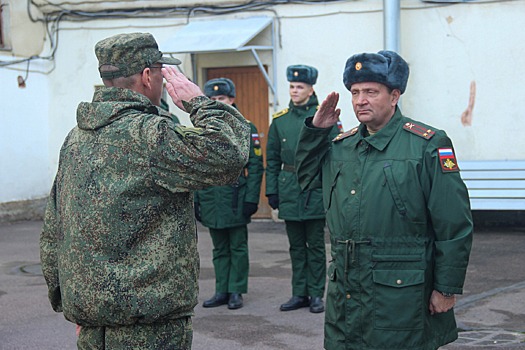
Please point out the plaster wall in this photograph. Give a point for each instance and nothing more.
(446, 46)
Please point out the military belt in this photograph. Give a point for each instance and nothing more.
(288, 167)
(350, 247)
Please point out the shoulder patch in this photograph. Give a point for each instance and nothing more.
(346, 134)
(447, 160)
(280, 113)
(419, 130)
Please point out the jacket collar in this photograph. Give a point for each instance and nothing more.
(381, 139)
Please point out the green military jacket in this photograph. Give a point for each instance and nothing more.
(400, 227)
(283, 136)
(222, 206)
(118, 245)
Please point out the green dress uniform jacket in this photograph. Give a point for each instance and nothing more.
(400, 227)
(222, 206)
(118, 245)
(283, 136)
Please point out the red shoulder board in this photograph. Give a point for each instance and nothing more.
(343, 135)
(447, 159)
(419, 130)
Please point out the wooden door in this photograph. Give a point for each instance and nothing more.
(252, 100)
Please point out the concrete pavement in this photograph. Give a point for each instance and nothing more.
(491, 313)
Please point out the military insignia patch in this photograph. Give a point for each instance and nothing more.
(346, 134)
(255, 139)
(419, 130)
(280, 113)
(447, 159)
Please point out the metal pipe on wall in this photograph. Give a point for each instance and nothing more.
(391, 19)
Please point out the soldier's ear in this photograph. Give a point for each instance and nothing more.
(396, 94)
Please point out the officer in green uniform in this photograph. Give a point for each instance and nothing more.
(302, 211)
(398, 214)
(226, 211)
(118, 247)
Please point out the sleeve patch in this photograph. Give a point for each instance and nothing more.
(419, 130)
(447, 159)
(256, 141)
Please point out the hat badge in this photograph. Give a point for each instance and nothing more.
(216, 88)
(296, 74)
(358, 66)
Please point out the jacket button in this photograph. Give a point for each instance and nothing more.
(399, 282)
(348, 296)
(352, 192)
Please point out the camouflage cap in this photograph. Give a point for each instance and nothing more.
(302, 74)
(219, 86)
(130, 53)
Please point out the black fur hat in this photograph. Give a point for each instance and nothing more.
(385, 67)
(219, 86)
(302, 74)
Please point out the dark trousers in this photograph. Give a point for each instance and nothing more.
(308, 255)
(230, 259)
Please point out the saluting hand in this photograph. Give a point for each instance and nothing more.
(179, 87)
(328, 113)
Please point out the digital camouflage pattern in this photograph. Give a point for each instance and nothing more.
(399, 227)
(118, 245)
(172, 335)
(130, 53)
(222, 206)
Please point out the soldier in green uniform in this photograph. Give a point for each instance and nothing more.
(226, 211)
(398, 214)
(119, 246)
(302, 211)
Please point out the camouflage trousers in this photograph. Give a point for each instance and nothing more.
(171, 335)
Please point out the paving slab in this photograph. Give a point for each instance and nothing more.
(491, 313)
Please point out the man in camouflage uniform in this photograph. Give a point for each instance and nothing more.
(398, 213)
(118, 247)
(226, 211)
(302, 211)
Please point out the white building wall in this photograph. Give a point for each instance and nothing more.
(24, 127)
(446, 46)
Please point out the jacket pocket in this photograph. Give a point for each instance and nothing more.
(334, 300)
(333, 182)
(398, 299)
(394, 190)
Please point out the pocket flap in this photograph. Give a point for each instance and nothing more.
(399, 278)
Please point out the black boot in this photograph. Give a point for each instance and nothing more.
(235, 301)
(295, 303)
(217, 300)
(316, 305)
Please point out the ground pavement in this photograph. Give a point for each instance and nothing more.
(491, 313)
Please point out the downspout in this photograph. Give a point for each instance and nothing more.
(391, 19)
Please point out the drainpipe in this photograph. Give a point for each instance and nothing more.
(391, 19)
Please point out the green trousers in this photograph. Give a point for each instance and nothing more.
(308, 255)
(170, 335)
(230, 259)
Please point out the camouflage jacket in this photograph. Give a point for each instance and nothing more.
(119, 239)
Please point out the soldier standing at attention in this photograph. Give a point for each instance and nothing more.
(226, 211)
(302, 211)
(398, 213)
(118, 246)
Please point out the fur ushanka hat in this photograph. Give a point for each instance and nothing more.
(385, 67)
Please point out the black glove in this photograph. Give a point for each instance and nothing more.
(197, 209)
(249, 209)
(273, 200)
